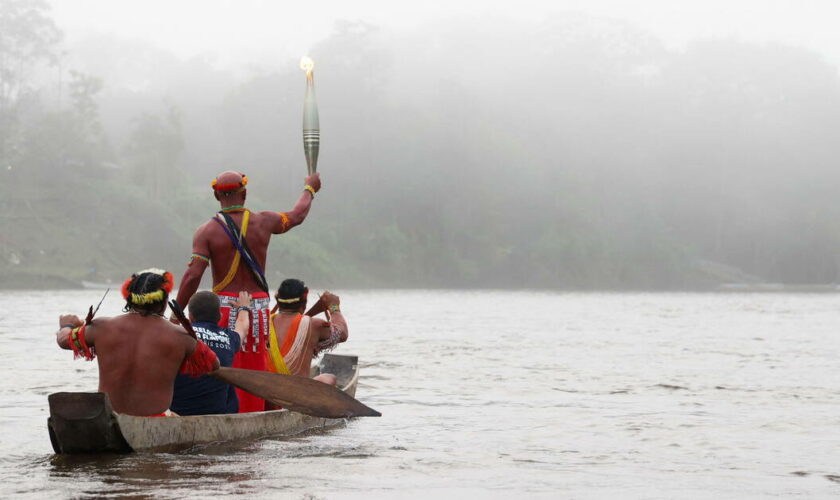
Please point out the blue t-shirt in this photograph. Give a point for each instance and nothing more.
(206, 395)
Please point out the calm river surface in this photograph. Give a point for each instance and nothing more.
(493, 395)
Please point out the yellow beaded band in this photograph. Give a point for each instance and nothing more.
(310, 189)
(74, 337)
(147, 298)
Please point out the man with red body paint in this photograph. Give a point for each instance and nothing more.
(213, 245)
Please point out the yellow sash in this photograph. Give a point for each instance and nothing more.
(276, 363)
(234, 266)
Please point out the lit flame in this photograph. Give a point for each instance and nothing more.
(307, 64)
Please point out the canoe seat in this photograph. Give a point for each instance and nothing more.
(340, 365)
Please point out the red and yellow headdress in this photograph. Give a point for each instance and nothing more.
(230, 187)
(150, 297)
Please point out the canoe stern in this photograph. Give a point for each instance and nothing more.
(83, 422)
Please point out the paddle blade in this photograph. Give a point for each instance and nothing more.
(299, 394)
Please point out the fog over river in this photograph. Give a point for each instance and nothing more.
(598, 145)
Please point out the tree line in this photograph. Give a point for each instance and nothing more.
(576, 154)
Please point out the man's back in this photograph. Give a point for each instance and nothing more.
(299, 361)
(222, 252)
(139, 357)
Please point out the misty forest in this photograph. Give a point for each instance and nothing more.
(578, 153)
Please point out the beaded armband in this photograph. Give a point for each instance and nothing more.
(77, 341)
(198, 256)
(284, 220)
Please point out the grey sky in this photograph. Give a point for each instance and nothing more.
(241, 32)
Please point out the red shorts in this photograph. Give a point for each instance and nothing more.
(252, 355)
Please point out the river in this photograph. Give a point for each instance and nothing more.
(492, 394)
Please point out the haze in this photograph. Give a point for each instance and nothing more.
(237, 32)
(576, 145)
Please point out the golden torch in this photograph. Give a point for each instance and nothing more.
(311, 127)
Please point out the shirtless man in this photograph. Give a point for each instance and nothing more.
(139, 353)
(213, 245)
(300, 337)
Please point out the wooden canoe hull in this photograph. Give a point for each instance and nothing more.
(85, 422)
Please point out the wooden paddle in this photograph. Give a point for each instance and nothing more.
(299, 394)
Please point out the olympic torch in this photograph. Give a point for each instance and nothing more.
(311, 127)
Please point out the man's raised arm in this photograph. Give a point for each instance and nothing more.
(335, 331)
(296, 215)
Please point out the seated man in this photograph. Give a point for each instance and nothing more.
(205, 395)
(299, 337)
(140, 352)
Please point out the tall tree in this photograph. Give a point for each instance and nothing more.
(154, 151)
(28, 38)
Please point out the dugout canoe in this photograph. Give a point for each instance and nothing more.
(83, 422)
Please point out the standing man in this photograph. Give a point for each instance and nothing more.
(234, 244)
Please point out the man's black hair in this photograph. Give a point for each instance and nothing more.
(290, 289)
(204, 306)
(146, 283)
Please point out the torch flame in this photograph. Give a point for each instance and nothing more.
(307, 64)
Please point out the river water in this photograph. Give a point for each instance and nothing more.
(492, 394)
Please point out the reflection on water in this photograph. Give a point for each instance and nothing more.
(492, 394)
(138, 475)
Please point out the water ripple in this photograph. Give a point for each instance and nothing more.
(589, 396)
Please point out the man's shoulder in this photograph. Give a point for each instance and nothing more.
(137, 325)
(206, 227)
(265, 214)
(102, 321)
(100, 327)
(266, 218)
(318, 323)
(119, 321)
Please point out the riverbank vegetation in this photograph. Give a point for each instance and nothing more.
(561, 157)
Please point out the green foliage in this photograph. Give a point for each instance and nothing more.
(602, 161)
(153, 152)
(27, 37)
